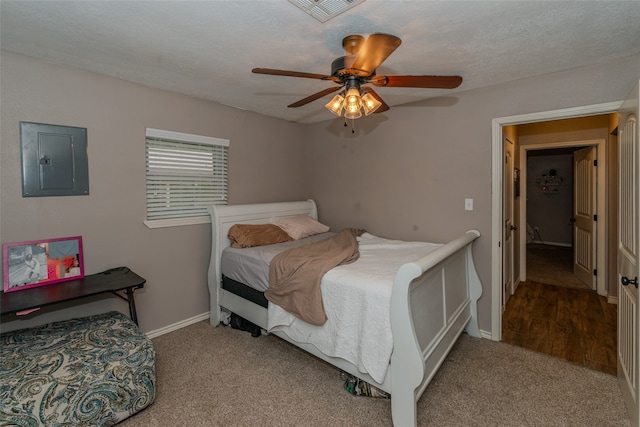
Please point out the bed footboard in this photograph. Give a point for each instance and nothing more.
(434, 299)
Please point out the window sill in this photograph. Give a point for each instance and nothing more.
(176, 222)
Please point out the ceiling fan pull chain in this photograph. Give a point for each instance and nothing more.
(353, 125)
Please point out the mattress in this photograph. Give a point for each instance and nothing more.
(356, 298)
(251, 265)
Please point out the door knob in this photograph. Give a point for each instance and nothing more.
(514, 228)
(626, 281)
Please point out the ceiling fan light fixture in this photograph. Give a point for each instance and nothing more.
(352, 114)
(335, 105)
(352, 104)
(370, 104)
(352, 98)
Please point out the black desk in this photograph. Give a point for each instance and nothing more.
(116, 280)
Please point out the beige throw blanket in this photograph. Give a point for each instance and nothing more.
(295, 274)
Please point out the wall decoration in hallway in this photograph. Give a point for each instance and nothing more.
(550, 183)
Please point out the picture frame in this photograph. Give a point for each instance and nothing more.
(42, 262)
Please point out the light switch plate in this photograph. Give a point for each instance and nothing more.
(468, 204)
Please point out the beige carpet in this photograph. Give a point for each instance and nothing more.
(552, 265)
(223, 377)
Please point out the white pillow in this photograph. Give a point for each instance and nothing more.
(300, 226)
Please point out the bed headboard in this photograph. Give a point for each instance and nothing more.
(223, 217)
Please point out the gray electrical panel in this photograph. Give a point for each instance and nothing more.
(54, 160)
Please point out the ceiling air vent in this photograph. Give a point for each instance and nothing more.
(323, 10)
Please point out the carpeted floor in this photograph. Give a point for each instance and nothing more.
(223, 377)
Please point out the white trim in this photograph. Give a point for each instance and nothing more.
(175, 222)
(612, 300)
(563, 245)
(186, 137)
(496, 190)
(178, 325)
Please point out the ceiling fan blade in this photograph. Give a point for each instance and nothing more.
(272, 72)
(315, 96)
(375, 50)
(433, 82)
(382, 108)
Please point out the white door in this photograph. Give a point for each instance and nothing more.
(509, 228)
(628, 254)
(584, 214)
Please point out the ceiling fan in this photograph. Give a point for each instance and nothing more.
(356, 69)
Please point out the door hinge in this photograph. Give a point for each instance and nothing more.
(595, 217)
(595, 162)
(595, 272)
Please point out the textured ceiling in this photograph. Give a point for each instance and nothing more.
(207, 49)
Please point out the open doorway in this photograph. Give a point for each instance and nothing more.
(500, 127)
(562, 243)
(550, 249)
(563, 207)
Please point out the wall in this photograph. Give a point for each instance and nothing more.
(405, 173)
(550, 212)
(173, 260)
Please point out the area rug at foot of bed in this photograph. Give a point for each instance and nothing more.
(91, 371)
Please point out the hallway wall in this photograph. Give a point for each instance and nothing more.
(550, 211)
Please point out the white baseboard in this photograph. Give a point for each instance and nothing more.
(564, 245)
(178, 325)
(612, 300)
(205, 316)
(485, 334)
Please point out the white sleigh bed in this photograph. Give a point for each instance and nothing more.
(433, 300)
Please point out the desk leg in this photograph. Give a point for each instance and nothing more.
(132, 305)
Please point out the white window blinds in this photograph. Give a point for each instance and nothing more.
(185, 174)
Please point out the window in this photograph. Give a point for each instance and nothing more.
(185, 174)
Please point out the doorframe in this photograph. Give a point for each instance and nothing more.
(497, 185)
(600, 200)
(509, 257)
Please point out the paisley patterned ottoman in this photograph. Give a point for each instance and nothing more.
(92, 371)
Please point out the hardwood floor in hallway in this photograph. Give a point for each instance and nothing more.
(572, 324)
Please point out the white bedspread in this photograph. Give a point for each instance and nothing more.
(357, 300)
